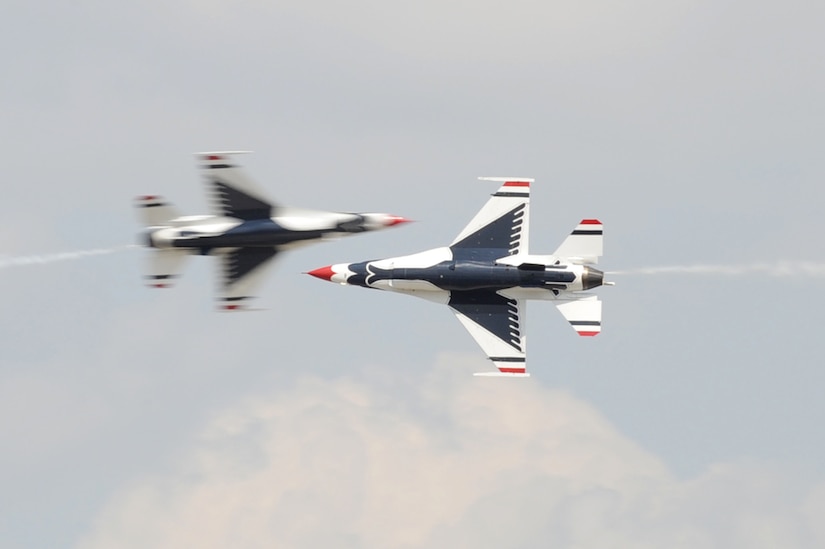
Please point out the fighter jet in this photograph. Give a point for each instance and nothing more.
(486, 275)
(245, 230)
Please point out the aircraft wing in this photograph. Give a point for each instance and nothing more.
(241, 274)
(230, 191)
(501, 227)
(497, 324)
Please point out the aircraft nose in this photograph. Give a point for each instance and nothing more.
(392, 220)
(324, 273)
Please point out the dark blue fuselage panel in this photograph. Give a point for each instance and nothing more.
(461, 275)
(250, 234)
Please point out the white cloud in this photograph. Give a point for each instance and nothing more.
(461, 462)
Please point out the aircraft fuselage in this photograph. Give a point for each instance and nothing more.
(208, 232)
(462, 274)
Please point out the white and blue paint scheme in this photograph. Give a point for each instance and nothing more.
(486, 275)
(245, 230)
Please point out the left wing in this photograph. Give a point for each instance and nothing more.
(241, 273)
(230, 191)
(497, 324)
(501, 227)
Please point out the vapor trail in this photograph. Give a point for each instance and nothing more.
(6, 262)
(779, 268)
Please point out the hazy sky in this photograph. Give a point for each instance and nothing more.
(341, 417)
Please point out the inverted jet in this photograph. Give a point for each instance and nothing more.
(486, 275)
(244, 231)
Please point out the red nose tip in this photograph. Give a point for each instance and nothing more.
(396, 220)
(324, 273)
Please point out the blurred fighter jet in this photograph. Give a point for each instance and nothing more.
(487, 275)
(244, 231)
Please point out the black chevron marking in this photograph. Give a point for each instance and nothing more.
(495, 313)
(235, 203)
(241, 262)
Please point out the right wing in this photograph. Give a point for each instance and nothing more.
(230, 192)
(242, 272)
(501, 227)
(497, 324)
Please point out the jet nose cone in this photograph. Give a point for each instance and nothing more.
(324, 273)
(392, 220)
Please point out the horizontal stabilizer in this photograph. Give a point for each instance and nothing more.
(584, 245)
(155, 211)
(584, 315)
(164, 267)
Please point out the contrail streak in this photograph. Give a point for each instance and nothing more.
(18, 261)
(778, 269)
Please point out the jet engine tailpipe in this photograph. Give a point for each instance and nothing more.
(592, 278)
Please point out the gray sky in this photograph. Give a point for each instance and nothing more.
(348, 418)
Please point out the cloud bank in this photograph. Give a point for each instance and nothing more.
(460, 462)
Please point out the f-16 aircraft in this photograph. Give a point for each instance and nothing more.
(245, 230)
(487, 275)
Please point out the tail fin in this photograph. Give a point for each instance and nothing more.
(164, 267)
(155, 210)
(584, 245)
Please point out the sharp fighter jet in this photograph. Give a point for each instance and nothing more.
(245, 230)
(487, 275)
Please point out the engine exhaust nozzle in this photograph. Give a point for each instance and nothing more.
(592, 278)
